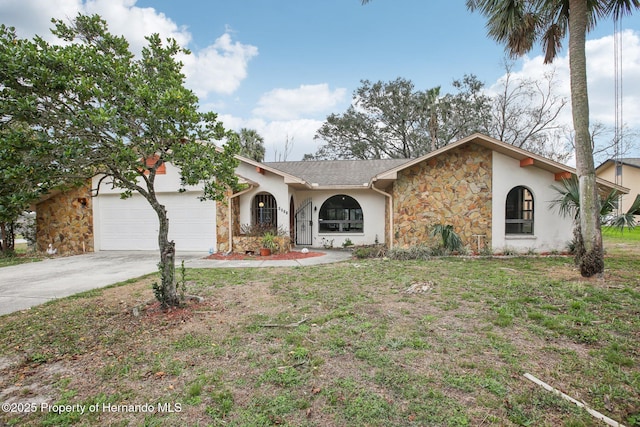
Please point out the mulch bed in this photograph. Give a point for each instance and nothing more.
(257, 257)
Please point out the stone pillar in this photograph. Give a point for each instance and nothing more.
(222, 221)
(65, 221)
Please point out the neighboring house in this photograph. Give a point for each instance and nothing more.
(496, 197)
(625, 173)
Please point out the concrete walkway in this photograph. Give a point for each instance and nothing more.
(327, 258)
(26, 285)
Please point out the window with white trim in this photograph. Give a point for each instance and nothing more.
(519, 211)
(341, 214)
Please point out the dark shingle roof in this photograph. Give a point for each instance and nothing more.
(337, 172)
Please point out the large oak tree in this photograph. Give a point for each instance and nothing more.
(395, 120)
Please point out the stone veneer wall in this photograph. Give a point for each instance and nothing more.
(244, 244)
(66, 222)
(222, 222)
(241, 244)
(453, 188)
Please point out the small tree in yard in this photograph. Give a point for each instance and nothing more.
(111, 114)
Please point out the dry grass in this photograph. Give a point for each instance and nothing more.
(335, 345)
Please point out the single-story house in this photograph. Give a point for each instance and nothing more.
(625, 172)
(495, 195)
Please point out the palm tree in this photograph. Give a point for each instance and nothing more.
(519, 25)
(568, 204)
(627, 219)
(251, 144)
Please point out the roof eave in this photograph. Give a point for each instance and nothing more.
(288, 178)
(500, 147)
(362, 186)
(612, 186)
(610, 162)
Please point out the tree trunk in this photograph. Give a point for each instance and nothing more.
(167, 292)
(8, 238)
(592, 262)
(3, 237)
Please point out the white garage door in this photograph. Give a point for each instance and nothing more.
(132, 224)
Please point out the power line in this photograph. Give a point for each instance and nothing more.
(619, 123)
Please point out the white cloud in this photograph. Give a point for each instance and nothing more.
(298, 132)
(300, 135)
(600, 76)
(219, 68)
(31, 17)
(280, 117)
(289, 104)
(600, 73)
(135, 23)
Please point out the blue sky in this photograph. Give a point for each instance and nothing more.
(343, 42)
(281, 66)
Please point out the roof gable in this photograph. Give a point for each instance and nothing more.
(500, 147)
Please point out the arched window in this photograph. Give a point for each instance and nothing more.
(341, 214)
(265, 211)
(519, 211)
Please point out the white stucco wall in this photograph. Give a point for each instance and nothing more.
(268, 183)
(166, 183)
(372, 204)
(373, 209)
(131, 224)
(552, 232)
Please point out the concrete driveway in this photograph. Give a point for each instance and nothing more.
(25, 285)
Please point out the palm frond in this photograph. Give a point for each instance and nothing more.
(450, 239)
(623, 221)
(609, 203)
(634, 209)
(552, 42)
(619, 8)
(627, 220)
(568, 200)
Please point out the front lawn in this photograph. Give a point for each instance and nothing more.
(613, 235)
(369, 342)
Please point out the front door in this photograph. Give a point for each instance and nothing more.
(304, 223)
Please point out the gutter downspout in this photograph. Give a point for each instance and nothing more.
(390, 200)
(230, 214)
